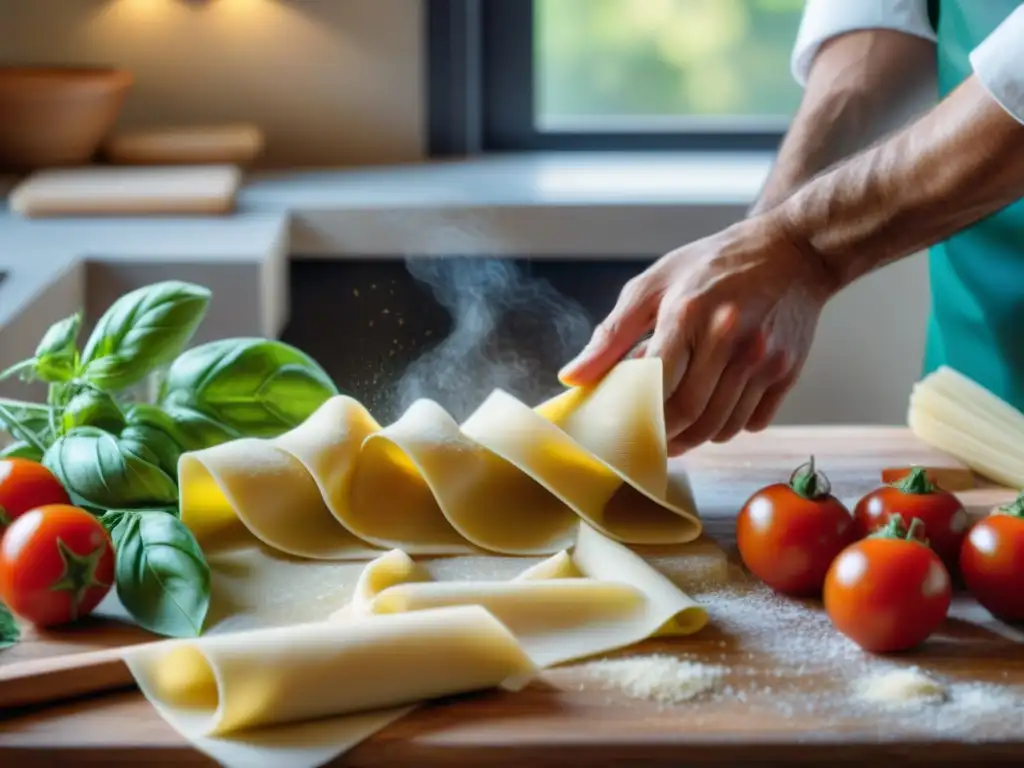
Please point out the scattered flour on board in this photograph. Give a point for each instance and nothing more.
(660, 678)
(901, 688)
(783, 656)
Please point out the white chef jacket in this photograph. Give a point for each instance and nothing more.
(998, 62)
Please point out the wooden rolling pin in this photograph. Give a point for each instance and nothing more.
(43, 681)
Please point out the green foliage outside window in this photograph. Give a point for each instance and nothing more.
(665, 58)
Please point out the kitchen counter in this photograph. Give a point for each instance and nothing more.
(791, 680)
(567, 205)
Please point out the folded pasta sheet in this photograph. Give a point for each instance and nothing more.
(299, 695)
(960, 417)
(510, 480)
(286, 690)
(599, 598)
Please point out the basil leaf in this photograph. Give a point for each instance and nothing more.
(189, 429)
(153, 416)
(21, 450)
(162, 577)
(9, 632)
(142, 330)
(154, 445)
(92, 408)
(99, 472)
(253, 387)
(197, 430)
(57, 353)
(27, 422)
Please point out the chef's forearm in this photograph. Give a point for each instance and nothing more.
(856, 81)
(959, 163)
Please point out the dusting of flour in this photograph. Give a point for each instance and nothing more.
(661, 678)
(781, 657)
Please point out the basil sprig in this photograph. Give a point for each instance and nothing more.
(9, 632)
(118, 457)
(141, 331)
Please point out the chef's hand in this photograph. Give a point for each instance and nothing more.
(733, 317)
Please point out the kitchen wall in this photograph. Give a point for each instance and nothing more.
(333, 82)
(337, 82)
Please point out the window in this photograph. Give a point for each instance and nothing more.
(614, 74)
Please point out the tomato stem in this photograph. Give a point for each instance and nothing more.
(1014, 509)
(79, 575)
(896, 529)
(810, 482)
(916, 482)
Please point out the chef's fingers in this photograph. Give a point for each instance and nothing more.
(746, 364)
(773, 369)
(672, 341)
(640, 350)
(705, 369)
(769, 405)
(632, 317)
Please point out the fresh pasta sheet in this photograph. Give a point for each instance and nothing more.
(302, 694)
(332, 610)
(510, 480)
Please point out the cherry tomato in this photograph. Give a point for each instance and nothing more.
(890, 591)
(950, 479)
(788, 534)
(992, 562)
(25, 485)
(944, 517)
(56, 564)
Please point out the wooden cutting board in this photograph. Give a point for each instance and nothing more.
(784, 692)
(238, 143)
(113, 191)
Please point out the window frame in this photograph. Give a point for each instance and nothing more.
(480, 92)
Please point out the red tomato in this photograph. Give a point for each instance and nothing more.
(992, 562)
(915, 496)
(888, 592)
(25, 485)
(56, 564)
(788, 535)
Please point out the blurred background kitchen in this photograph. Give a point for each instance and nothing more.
(433, 197)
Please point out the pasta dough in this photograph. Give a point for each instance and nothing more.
(510, 480)
(256, 697)
(300, 666)
(958, 416)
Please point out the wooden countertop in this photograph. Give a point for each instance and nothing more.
(774, 709)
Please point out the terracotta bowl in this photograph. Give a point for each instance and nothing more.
(57, 116)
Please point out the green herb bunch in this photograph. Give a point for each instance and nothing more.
(117, 454)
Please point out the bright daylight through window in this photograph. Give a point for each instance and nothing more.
(664, 65)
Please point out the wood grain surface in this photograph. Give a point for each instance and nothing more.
(760, 719)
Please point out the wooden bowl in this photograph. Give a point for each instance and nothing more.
(57, 116)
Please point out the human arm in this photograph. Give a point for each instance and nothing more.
(860, 64)
(734, 314)
(858, 80)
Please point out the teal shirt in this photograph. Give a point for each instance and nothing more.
(977, 276)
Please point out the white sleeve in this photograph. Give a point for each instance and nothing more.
(999, 63)
(825, 19)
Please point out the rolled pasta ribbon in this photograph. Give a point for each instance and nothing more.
(250, 698)
(510, 480)
(260, 698)
(598, 598)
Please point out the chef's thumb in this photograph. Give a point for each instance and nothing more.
(611, 341)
